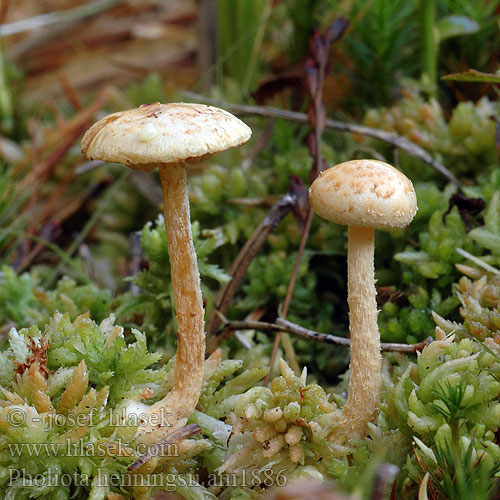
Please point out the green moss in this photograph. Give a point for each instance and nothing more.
(24, 303)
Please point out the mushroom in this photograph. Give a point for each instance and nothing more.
(364, 195)
(167, 137)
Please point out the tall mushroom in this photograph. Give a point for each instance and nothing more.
(364, 195)
(167, 137)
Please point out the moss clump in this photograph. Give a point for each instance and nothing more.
(151, 308)
(23, 302)
(448, 401)
(467, 136)
(282, 430)
(72, 402)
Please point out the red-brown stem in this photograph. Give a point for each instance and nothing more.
(282, 336)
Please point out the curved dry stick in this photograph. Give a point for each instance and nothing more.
(171, 438)
(287, 326)
(238, 269)
(188, 373)
(396, 140)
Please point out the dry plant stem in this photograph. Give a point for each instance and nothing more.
(240, 265)
(315, 170)
(284, 337)
(171, 438)
(366, 362)
(325, 338)
(396, 140)
(188, 372)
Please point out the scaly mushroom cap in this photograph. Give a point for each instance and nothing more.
(364, 193)
(157, 133)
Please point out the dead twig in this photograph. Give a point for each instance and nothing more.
(284, 325)
(239, 267)
(172, 438)
(390, 138)
(68, 15)
(306, 489)
(69, 90)
(386, 474)
(315, 70)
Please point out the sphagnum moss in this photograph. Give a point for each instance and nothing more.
(70, 386)
(282, 430)
(73, 397)
(65, 421)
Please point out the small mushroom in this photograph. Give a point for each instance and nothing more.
(167, 137)
(364, 195)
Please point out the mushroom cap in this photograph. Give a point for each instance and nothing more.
(364, 193)
(154, 134)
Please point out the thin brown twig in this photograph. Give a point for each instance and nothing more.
(4, 7)
(390, 138)
(69, 90)
(315, 71)
(287, 345)
(238, 269)
(284, 325)
(61, 16)
(172, 438)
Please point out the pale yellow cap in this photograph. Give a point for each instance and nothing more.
(365, 193)
(157, 133)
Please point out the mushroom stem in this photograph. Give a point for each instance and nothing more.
(188, 372)
(186, 287)
(366, 362)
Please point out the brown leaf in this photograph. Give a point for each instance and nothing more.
(467, 207)
(336, 29)
(311, 77)
(389, 294)
(317, 47)
(299, 190)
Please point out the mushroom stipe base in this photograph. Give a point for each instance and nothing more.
(188, 372)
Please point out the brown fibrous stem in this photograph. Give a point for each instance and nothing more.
(365, 378)
(188, 371)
